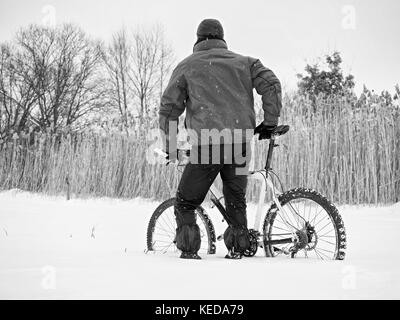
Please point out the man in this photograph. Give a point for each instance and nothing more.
(215, 87)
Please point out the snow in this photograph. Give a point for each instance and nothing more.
(51, 248)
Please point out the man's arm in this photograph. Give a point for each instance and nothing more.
(173, 103)
(269, 87)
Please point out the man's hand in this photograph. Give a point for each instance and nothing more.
(264, 131)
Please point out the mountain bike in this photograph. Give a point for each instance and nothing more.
(298, 223)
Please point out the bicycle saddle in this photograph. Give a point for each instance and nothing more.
(281, 130)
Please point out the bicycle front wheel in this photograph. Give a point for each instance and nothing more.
(161, 230)
(309, 226)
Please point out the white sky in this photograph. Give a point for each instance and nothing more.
(284, 34)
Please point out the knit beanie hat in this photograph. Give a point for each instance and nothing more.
(210, 29)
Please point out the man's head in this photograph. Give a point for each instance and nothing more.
(210, 29)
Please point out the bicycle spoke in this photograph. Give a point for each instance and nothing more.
(325, 226)
(326, 233)
(164, 241)
(165, 224)
(328, 242)
(161, 225)
(172, 223)
(315, 217)
(162, 235)
(158, 227)
(325, 255)
(166, 247)
(320, 221)
(309, 213)
(316, 252)
(326, 250)
(281, 228)
(287, 223)
(297, 216)
(167, 229)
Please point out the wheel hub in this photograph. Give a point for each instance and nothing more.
(305, 238)
(301, 240)
(312, 237)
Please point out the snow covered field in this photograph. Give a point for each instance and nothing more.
(52, 248)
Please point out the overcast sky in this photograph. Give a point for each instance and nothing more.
(284, 34)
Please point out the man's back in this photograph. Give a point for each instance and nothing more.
(215, 86)
(219, 87)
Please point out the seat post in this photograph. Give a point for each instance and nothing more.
(270, 151)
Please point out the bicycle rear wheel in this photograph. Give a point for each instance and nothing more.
(310, 227)
(161, 230)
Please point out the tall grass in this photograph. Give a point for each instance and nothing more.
(352, 155)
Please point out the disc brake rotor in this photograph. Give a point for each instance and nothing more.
(305, 238)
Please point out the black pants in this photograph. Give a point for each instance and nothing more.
(198, 177)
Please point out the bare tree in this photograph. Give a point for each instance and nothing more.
(16, 95)
(137, 65)
(117, 61)
(61, 65)
(152, 60)
(165, 65)
(52, 78)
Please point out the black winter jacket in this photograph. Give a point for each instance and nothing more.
(215, 87)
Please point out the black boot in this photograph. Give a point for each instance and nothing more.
(188, 240)
(235, 255)
(237, 241)
(189, 255)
